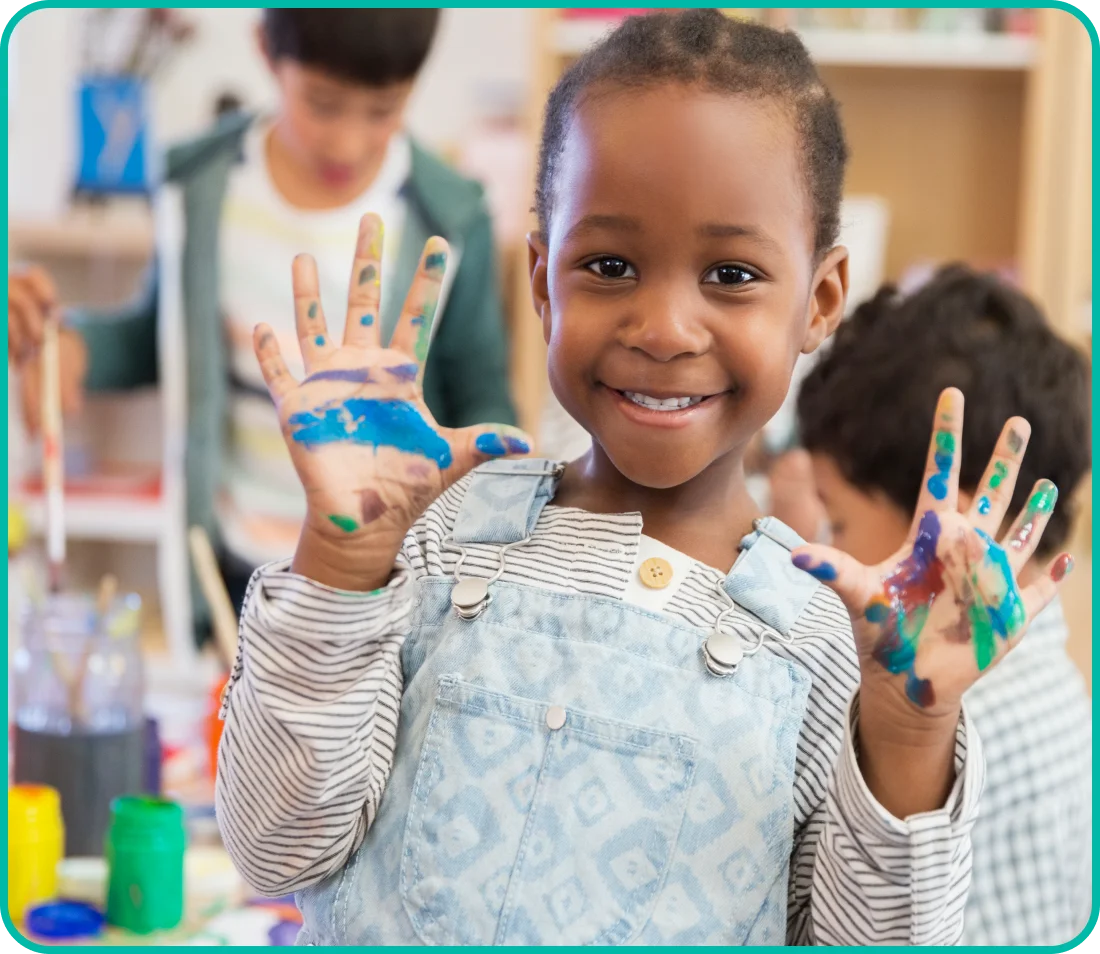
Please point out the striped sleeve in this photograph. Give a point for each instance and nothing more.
(880, 880)
(310, 725)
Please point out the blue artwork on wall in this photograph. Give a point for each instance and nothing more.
(114, 135)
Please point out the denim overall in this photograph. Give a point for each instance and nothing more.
(578, 770)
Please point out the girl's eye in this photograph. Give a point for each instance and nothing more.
(611, 267)
(729, 275)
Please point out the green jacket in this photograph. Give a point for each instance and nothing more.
(466, 379)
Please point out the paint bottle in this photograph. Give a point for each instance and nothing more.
(79, 720)
(36, 840)
(144, 848)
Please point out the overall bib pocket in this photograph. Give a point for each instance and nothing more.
(533, 823)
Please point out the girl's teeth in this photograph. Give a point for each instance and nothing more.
(657, 404)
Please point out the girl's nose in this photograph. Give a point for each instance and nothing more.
(666, 324)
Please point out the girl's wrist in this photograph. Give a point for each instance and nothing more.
(355, 566)
(906, 755)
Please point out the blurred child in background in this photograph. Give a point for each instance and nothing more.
(863, 415)
(256, 190)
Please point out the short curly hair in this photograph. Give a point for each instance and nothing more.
(715, 52)
(868, 404)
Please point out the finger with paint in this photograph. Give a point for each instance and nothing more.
(940, 484)
(500, 440)
(280, 382)
(841, 572)
(1038, 594)
(1027, 530)
(361, 326)
(309, 319)
(994, 494)
(413, 333)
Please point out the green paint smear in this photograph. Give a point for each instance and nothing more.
(981, 632)
(945, 442)
(1000, 472)
(1044, 498)
(347, 524)
(313, 309)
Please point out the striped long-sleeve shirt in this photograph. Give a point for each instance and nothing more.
(313, 705)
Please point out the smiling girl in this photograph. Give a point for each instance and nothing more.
(607, 701)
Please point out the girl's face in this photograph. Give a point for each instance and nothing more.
(679, 269)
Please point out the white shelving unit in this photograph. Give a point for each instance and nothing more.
(911, 49)
(116, 241)
(109, 517)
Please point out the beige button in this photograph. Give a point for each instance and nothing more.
(555, 717)
(655, 573)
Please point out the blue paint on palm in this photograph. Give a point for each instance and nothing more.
(367, 320)
(371, 423)
(354, 375)
(1007, 617)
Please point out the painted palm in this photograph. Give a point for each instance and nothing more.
(367, 450)
(947, 606)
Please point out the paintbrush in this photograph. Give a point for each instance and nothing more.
(53, 470)
(213, 588)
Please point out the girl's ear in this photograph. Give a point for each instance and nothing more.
(830, 292)
(537, 262)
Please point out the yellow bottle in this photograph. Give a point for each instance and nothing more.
(36, 843)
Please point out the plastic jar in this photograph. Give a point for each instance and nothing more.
(144, 849)
(36, 843)
(79, 724)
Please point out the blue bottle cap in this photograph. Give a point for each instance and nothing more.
(64, 920)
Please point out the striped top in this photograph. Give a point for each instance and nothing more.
(312, 708)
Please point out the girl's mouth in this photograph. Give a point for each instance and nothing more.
(662, 411)
(660, 404)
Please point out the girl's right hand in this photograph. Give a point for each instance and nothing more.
(370, 456)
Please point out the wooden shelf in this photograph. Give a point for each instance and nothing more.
(126, 235)
(900, 50)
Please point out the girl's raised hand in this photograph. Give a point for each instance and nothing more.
(935, 616)
(369, 454)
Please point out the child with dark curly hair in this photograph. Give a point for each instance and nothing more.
(863, 415)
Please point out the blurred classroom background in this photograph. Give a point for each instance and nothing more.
(970, 140)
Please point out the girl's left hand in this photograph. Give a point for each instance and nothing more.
(945, 608)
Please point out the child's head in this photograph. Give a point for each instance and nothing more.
(689, 181)
(344, 77)
(865, 411)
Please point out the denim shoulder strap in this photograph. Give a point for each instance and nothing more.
(765, 582)
(504, 500)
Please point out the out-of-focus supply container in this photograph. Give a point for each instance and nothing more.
(79, 724)
(36, 843)
(144, 849)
